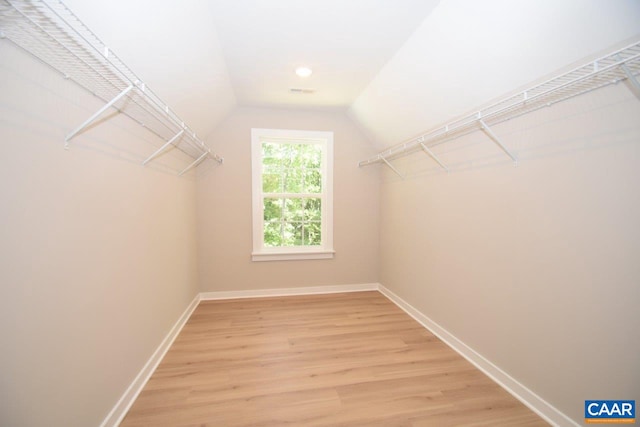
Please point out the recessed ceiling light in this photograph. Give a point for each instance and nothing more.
(303, 71)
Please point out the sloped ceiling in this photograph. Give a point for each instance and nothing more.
(344, 42)
(467, 53)
(173, 47)
(398, 67)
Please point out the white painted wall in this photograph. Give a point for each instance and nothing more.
(468, 52)
(224, 208)
(535, 267)
(97, 253)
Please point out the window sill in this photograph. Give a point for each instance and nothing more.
(293, 255)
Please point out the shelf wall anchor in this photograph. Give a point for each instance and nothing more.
(392, 168)
(161, 149)
(95, 116)
(487, 130)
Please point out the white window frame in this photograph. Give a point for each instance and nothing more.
(260, 251)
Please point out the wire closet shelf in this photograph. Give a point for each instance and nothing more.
(609, 69)
(50, 32)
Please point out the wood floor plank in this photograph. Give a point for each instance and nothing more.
(317, 360)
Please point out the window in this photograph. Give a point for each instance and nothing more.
(292, 194)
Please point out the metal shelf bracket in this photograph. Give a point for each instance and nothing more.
(95, 116)
(433, 156)
(195, 163)
(161, 149)
(487, 130)
(392, 167)
(631, 77)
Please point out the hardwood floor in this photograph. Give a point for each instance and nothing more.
(323, 360)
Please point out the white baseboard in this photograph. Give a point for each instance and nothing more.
(121, 408)
(538, 405)
(312, 290)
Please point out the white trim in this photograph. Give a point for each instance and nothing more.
(281, 292)
(534, 402)
(123, 405)
(291, 256)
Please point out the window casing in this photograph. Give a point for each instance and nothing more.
(292, 177)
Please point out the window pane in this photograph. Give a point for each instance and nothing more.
(312, 155)
(312, 181)
(292, 222)
(272, 234)
(293, 180)
(313, 235)
(272, 209)
(288, 234)
(298, 229)
(289, 154)
(271, 154)
(294, 209)
(271, 182)
(312, 209)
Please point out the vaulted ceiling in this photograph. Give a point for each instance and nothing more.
(344, 42)
(396, 67)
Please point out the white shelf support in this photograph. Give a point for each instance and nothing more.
(194, 164)
(95, 116)
(487, 130)
(433, 156)
(631, 77)
(392, 168)
(161, 149)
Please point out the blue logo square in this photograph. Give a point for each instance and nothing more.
(611, 411)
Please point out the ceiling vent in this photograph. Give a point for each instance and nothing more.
(301, 90)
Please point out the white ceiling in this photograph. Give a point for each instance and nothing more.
(345, 42)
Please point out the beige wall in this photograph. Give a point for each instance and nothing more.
(224, 208)
(97, 253)
(536, 266)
